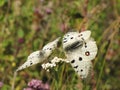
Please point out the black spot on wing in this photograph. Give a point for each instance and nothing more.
(76, 66)
(81, 70)
(80, 58)
(71, 38)
(64, 41)
(41, 53)
(73, 61)
(31, 63)
(68, 35)
(85, 45)
(80, 35)
(82, 38)
(87, 53)
(64, 38)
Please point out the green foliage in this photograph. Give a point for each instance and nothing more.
(27, 25)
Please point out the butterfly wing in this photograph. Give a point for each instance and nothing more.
(81, 57)
(89, 50)
(80, 65)
(85, 34)
(50, 47)
(32, 59)
(38, 56)
(85, 68)
(75, 37)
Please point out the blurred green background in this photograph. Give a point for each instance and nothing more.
(27, 25)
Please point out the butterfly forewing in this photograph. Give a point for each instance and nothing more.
(38, 56)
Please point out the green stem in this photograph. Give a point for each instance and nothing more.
(100, 75)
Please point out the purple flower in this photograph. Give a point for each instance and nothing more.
(28, 88)
(21, 40)
(48, 11)
(38, 85)
(1, 84)
(38, 14)
(46, 86)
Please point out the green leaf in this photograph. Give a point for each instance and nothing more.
(5, 87)
(20, 33)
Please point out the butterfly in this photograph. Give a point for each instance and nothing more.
(40, 55)
(80, 49)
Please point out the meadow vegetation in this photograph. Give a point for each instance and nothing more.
(27, 25)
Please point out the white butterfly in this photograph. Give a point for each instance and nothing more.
(38, 56)
(80, 49)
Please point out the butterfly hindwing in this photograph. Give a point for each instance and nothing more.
(89, 50)
(80, 65)
(84, 69)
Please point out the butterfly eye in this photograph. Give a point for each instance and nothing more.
(87, 53)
